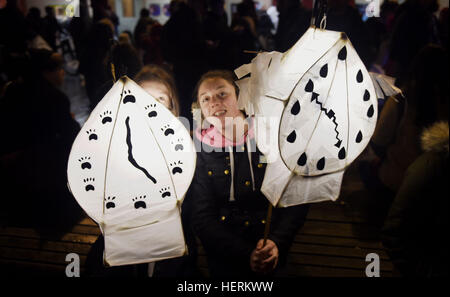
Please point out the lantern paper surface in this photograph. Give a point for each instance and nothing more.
(129, 169)
(384, 85)
(316, 110)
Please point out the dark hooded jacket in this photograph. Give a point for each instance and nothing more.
(228, 209)
(415, 230)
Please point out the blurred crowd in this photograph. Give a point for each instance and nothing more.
(408, 42)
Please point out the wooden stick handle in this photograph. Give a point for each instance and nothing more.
(268, 220)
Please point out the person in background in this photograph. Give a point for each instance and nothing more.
(292, 24)
(160, 84)
(418, 218)
(36, 120)
(396, 139)
(419, 215)
(93, 60)
(415, 26)
(50, 27)
(183, 47)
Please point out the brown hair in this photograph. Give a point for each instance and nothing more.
(224, 74)
(162, 75)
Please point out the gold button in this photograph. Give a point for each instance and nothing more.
(243, 148)
(263, 221)
(227, 157)
(210, 173)
(247, 183)
(260, 165)
(226, 171)
(222, 218)
(246, 223)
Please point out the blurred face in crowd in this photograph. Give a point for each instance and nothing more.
(55, 76)
(218, 101)
(159, 91)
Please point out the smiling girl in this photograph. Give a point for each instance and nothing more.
(228, 210)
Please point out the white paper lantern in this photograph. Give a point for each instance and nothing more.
(319, 102)
(129, 169)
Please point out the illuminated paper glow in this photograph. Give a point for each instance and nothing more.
(315, 109)
(129, 169)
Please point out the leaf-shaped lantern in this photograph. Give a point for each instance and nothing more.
(332, 111)
(315, 109)
(129, 169)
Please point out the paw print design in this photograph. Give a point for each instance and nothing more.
(165, 192)
(128, 97)
(106, 117)
(85, 164)
(152, 113)
(91, 134)
(89, 181)
(178, 145)
(175, 168)
(167, 130)
(139, 202)
(110, 202)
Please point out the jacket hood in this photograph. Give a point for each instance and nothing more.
(435, 138)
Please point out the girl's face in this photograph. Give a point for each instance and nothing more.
(217, 99)
(159, 91)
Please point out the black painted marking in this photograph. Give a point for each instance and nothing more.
(321, 164)
(330, 114)
(342, 153)
(309, 86)
(359, 137)
(89, 186)
(302, 160)
(106, 120)
(129, 98)
(359, 77)
(140, 204)
(324, 71)
(292, 136)
(86, 165)
(130, 152)
(92, 135)
(342, 54)
(106, 117)
(270, 62)
(295, 108)
(110, 203)
(164, 192)
(370, 111)
(366, 95)
(177, 170)
(179, 147)
(169, 131)
(152, 114)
